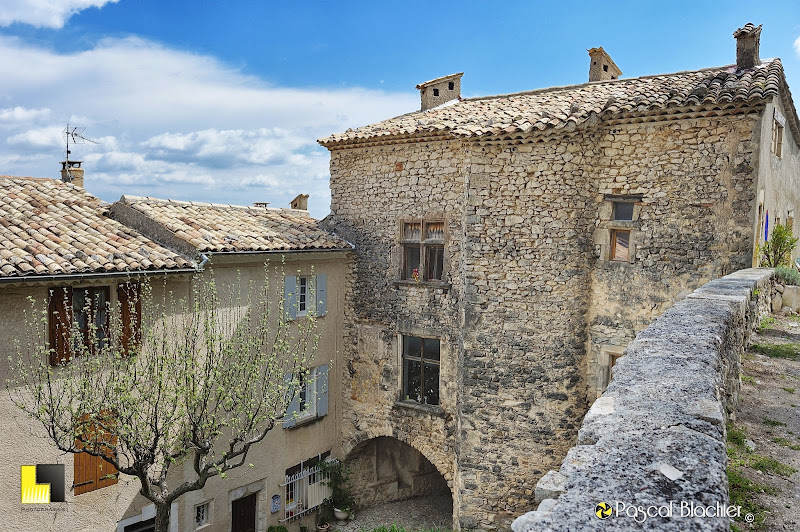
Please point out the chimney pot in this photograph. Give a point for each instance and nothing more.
(437, 91)
(601, 66)
(71, 172)
(300, 202)
(747, 46)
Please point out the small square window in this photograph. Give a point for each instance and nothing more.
(202, 514)
(620, 243)
(623, 211)
(436, 92)
(423, 245)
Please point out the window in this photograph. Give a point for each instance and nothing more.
(436, 92)
(309, 393)
(305, 487)
(423, 250)
(300, 293)
(421, 370)
(92, 472)
(202, 515)
(778, 123)
(620, 245)
(451, 85)
(78, 319)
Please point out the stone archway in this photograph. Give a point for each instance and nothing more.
(385, 469)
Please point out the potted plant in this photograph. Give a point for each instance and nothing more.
(341, 500)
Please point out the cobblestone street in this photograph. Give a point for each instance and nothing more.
(422, 513)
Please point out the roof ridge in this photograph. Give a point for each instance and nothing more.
(131, 200)
(764, 64)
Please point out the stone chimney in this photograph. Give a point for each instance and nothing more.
(72, 173)
(747, 42)
(437, 91)
(601, 67)
(300, 202)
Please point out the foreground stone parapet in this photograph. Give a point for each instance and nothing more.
(654, 442)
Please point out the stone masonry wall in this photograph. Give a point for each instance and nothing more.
(657, 434)
(697, 182)
(373, 190)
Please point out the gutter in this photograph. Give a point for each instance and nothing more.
(82, 276)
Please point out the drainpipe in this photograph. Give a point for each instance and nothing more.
(202, 262)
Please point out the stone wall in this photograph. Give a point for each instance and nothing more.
(657, 434)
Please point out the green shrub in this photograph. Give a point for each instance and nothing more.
(777, 251)
(788, 275)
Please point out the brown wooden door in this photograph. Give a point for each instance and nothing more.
(244, 514)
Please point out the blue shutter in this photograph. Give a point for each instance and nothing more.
(322, 390)
(290, 297)
(290, 419)
(322, 294)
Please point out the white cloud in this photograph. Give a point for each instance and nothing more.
(175, 124)
(44, 13)
(23, 115)
(797, 46)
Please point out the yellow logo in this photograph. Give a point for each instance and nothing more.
(603, 510)
(42, 483)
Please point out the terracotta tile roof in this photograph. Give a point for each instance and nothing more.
(564, 107)
(228, 228)
(49, 228)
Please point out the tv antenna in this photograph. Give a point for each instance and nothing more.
(73, 134)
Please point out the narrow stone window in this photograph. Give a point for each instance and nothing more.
(777, 138)
(421, 370)
(302, 296)
(423, 251)
(605, 68)
(620, 245)
(451, 85)
(436, 92)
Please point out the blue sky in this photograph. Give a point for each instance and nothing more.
(223, 101)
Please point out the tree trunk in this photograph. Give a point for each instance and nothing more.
(162, 517)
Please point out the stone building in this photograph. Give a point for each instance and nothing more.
(509, 247)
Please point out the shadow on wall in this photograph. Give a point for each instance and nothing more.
(386, 469)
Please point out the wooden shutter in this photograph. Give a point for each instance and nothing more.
(92, 472)
(130, 301)
(322, 294)
(322, 390)
(59, 322)
(290, 297)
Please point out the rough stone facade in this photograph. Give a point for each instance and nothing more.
(533, 312)
(657, 435)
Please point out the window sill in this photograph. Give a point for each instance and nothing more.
(429, 285)
(304, 422)
(434, 410)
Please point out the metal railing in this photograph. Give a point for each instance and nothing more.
(305, 491)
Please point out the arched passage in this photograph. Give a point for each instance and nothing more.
(385, 469)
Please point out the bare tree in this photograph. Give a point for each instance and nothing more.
(204, 378)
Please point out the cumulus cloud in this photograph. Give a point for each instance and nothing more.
(22, 115)
(44, 13)
(175, 124)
